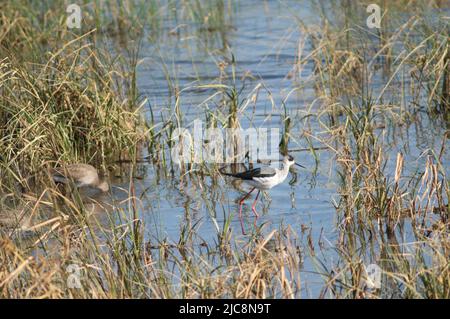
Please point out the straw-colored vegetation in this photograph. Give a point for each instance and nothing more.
(72, 96)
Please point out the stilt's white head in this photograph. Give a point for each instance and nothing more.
(288, 161)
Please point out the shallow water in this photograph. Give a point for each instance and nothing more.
(264, 40)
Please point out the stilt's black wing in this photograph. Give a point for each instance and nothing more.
(254, 173)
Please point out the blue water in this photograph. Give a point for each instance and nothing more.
(265, 41)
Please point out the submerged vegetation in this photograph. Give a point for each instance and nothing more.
(76, 96)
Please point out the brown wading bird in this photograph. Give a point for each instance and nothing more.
(83, 175)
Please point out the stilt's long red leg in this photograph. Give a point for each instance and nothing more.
(254, 205)
(254, 209)
(241, 202)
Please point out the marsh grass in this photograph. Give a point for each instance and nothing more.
(72, 96)
(374, 207)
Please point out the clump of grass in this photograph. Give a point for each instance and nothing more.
(374, 209)
(61, 103)
(66, 98)
(112, 264)
(397, 222)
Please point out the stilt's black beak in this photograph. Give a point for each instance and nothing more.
(300, 165)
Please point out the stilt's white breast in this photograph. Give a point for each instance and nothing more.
(263, 183)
